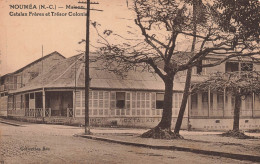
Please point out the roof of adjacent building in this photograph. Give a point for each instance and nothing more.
(70, 73)
(34, 62)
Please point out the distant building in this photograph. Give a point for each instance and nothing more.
(18, 79)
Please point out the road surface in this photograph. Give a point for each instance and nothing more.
(41, 143)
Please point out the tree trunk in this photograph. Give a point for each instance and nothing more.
(188, 77)
(184, 102)
(237, 113)
(163, 129)
(167, 106)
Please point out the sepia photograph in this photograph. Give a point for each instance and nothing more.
(129, 81)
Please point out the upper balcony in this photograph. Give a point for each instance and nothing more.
(3, 88)
(8, 87)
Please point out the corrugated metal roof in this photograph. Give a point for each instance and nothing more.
(64, 74)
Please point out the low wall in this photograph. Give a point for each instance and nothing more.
(132, 122)
(223, 124)
(3, 113)
(136, 122)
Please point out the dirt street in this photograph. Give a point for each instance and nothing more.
(40, 143)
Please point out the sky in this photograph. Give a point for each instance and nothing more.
(22, 37)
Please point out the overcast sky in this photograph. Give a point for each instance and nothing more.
(21, 38)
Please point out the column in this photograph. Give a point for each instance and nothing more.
(199, 107)
(209, 104)
(253, 99)
(74, 103)
(43, 102)
(243, 111)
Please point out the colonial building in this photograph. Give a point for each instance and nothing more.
(57, 95)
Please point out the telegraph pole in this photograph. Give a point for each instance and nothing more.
(87, 77)
(87, 129)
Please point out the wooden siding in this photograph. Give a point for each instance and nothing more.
(137, 104)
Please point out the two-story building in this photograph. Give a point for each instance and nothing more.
(214, 111)
(18, 79)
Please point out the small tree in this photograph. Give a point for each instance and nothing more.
(237, 84)
(165, 27)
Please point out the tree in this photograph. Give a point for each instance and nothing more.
(237, 84)
(165, 27)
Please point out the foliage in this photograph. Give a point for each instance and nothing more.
(243, 83)
(240, 12)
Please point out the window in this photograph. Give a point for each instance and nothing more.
(120, 99)
(199, 68)
(231, 66)
(177, 99)
(246, 67)
(10, 103)
(31, 95)
(159, 100)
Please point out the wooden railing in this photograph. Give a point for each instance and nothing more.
(70, 112)
(38, 112)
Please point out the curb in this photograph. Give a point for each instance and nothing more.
(251, 158)
(9, 123)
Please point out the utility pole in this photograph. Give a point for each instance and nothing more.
(87, 77)
(87, 129)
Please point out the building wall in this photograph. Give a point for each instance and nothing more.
(3, 106)
(21, 78)
(140, 108)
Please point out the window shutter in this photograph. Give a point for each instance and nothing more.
(128, 106)
(100, 101)
(106, 103)
(78, 99)
(112, 102)
(134, 103)
(90, 99)
(153, 102)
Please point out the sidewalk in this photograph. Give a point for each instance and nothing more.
(207, 143)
